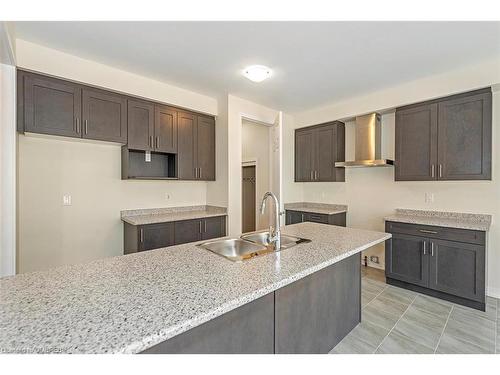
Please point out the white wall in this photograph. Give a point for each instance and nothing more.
(255, 147)
(36, 57)
(372, 193)
(217, 190)
(50, 234)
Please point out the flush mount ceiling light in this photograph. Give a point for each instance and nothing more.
(257, 73)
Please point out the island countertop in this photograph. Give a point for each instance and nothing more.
(126, 304)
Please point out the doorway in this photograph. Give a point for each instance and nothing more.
(248, 202)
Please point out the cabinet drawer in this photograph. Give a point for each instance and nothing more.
(444, 233)
(316, 218)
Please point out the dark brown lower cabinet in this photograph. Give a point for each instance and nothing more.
(294, 217)
(447, 263)
(311, 315)
(155, 236)
(406, 259)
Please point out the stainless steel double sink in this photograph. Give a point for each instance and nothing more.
(249, 245)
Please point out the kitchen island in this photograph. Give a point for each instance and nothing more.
(139, 302)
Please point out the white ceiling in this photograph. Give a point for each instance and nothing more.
(314, 63)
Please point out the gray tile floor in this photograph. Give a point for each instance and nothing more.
(398, 321)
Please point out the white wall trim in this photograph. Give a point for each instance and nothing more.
(8, 152)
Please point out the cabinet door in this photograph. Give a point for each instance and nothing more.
(140, 121)
(186, 146)
(416, 143)
(155, 236)
(165, 129)
(104, 116)
(213, 227)
(205, 146)
(457, 268)
(51, 106)
(188, 231)
(294, 217)
(304, 155)
(406, 259)
(464, 150)
(325, 153)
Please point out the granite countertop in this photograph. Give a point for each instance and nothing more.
(164, 215)
(317, 208)
(459, 220)
(128, 303)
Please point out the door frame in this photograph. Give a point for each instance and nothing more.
(252, 162)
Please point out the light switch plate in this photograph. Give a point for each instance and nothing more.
(429, 197)
(148, 156)
(66, 200)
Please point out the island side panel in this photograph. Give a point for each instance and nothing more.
(315, 313)
(249, 329)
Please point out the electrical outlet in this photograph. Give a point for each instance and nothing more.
(147, 156)
(374, 259)
(429, 197)
(66, 200)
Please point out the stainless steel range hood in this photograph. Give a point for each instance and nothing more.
(367, 152)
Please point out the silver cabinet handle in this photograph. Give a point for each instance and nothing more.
(157, 142)
(141, 232)
(312, 178)
(151, 141)
(440, 170)
(200, 226)
(77, 125)
(205, 222)
(199, 173)
(427, 231)
(86, 127)
(425, 247)
(302, 217)
(432, 170)
(316, 174)
(432, 249)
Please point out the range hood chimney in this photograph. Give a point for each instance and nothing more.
(367, 152)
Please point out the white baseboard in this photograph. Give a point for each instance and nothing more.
(493, 292)
(374, 265)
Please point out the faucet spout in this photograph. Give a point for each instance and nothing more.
(274, 233)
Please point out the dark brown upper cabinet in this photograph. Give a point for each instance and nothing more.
(317, 148)
(165, 129)
(104, 115)
(54, 106)
(182, 143)
(196, 147)
(464, 138)
(304, 155)
(445, 139)
(416, 143)
(141, 125)
(49, 106)
(152, 127)
(206, 148)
